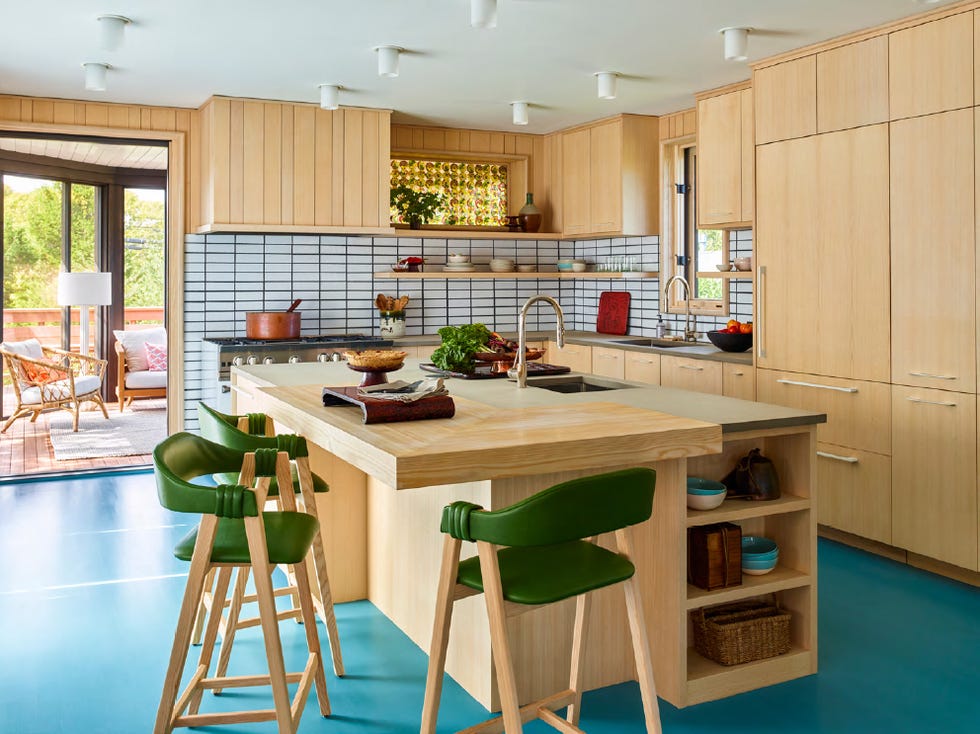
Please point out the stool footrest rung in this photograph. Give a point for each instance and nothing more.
(243, 681)
(302, 692)
(231, 717)
(528, 712)
(255, 621)
(553, 720)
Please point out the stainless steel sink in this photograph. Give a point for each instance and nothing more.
(659, 343)
(576, 384)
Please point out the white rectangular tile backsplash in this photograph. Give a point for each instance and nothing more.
(228, 275)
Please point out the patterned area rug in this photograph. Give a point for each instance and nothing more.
(135, 431)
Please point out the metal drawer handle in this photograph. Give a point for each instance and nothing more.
(690, 367)
(738, 374)
(607, 356)
(836, 457)
(821, 387)
(933, 377)
(943, 403)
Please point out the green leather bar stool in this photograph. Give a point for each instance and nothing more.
(550, 554)
(250, 433)
(235, 532)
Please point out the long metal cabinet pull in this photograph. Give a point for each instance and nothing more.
(934, 377)
(821, 387)
(760, 300)
(943, 403)
(690, 367)
(837, 457)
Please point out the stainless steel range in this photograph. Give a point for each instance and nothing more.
(223, 353)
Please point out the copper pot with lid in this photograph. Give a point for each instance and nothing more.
(273, 324)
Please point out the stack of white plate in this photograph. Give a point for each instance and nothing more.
(458, 268)
(502, 265)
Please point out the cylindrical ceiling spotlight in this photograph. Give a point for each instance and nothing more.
(111, 30)
(388, 60)
(95, 75)
(519, 112)
(330, 96)
(483, 13)
(736, 43)
(606, 84)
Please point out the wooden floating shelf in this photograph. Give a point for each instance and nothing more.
(452, 233)
(779, 579)
(551, 275)
(735, 510)
(728, 274)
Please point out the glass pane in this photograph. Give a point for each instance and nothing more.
(31, 261)
(710, 254)
(144, 233)
(83, 259)
(472, 193)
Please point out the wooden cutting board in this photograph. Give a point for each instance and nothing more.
(614, 312)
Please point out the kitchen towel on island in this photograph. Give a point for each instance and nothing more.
(406, 392)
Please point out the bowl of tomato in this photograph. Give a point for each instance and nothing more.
(736, 337)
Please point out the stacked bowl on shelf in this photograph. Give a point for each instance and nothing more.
(705, 494)
(759, 555)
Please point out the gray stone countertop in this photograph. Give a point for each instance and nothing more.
(697, 350)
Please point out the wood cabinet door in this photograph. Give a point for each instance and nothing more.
(855, 490)
(738, 381)
(697, 375)
(785, 100)
(576, 186)
(609, 362)
(719, 181)
(748, 154)
(930, 67)
(933, 251)
(642, 367)
(934, 474)
(575, 356)
(606, 177)
(852, 85)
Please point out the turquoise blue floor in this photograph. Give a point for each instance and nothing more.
(89, 593)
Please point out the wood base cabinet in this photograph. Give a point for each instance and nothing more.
(934, 474)
(642, 367)
(855, 491)
(575, 356)
(738, 381)
(609, 362)
(698, 375)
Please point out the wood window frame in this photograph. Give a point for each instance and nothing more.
(677, 215)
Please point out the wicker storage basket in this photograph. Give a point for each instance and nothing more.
(741, 632)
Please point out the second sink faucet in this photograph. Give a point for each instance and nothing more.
(519, 370)
(690, 331)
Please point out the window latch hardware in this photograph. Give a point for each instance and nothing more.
(683, 260)
(682, 188)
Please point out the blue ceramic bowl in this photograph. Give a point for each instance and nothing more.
(565, 265)
(696, 485)
(754, 545)
(758, 568)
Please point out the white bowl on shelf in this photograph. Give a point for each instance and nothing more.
(706, 501)
(526, 268)
(501, 265)
(457, 258)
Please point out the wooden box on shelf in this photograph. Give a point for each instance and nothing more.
(714, 555)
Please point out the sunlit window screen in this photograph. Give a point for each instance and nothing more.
(472, 193)
(709, 256)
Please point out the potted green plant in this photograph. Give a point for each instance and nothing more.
(415, 207)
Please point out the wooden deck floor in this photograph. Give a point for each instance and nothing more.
(25, 449)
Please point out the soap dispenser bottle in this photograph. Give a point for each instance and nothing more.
(661, 327)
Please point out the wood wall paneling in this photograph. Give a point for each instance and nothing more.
(748, 155)
(323, 167)
(785, 100)
(353, 166)
(304, 165)
(254, 164)
(852, 85)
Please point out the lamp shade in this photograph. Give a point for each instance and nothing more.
(84, 289)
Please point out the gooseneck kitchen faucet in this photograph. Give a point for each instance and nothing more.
(519, 370)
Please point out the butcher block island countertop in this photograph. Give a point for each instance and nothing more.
(389, 482)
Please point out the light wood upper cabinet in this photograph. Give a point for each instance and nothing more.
(786, 100)
(610, 177)
(933, 251)
(697, 375)
(852, 85)
(822, 231)
(270, 164)
(934, 477)
(726, 154)
(930, 67)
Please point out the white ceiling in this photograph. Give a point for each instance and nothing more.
(113, 155)
(179, 52)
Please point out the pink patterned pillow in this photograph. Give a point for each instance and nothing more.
(156, 357)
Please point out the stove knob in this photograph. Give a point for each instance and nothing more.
(336, 357)
(252, 360)
(268, 360)
(294, 359)
(238, 361)
(323, 357)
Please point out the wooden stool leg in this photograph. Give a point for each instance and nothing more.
(211, 633)
(231, 626)
(440, 634)
(583, 605)
(185, 623)
(641, 642)
(301, 571)
(502, 661)
(202, 610)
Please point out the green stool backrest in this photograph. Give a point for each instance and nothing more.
(223, 429)
(576, 509)
(183, 457)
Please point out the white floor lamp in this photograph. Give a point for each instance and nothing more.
(84, 290)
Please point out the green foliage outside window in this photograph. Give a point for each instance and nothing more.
(472, 193)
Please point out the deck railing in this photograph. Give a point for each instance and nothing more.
(44, 324)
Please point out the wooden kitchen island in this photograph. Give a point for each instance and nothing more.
(389, 482)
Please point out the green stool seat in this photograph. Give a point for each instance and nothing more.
(288, 536)
(550, 573)
(318, 484)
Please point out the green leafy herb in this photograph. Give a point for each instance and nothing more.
(458, 346)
